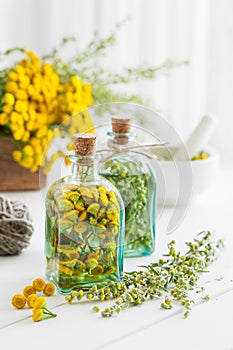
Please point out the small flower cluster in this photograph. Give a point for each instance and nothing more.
(172, 277)
(113, 290)
(37, 303)
(40, 311)
(201, 155)
(33, 101)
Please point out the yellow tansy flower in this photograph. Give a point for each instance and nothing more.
(14, 117)
(39, 284)
(37, 315)
(19, 69)
(40, 303)
(26, 136)
(28, 290)
(27, 162)
(21, 106)
(3, 119)
(18, 133)
(12, 76)
(7, 108)
(17, 155)
(21, 95)
(31, 300)
(28, 150)
(11, 87)
(18, 301)
(49, 289)
(9, 99)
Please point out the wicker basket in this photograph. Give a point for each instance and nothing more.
(14, 177)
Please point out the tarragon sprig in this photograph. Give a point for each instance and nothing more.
(172, 277)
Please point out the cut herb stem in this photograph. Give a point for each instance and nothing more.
(170, 278)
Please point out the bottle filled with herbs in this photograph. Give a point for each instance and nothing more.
(84, 239)
(125, 163)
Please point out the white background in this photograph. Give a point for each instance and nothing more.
(198, 30)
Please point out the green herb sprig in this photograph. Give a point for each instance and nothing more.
(172, 278)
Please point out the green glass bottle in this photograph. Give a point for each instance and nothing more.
(84, 231)
(127, 167)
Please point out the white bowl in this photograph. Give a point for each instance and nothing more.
(179, 181)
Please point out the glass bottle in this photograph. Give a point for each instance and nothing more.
(84, 232)
(126, 165)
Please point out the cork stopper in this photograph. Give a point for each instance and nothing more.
(121, 124)
(84, 144)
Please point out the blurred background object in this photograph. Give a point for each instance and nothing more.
(199, 31)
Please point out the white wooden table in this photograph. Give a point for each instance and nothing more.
(209, 326)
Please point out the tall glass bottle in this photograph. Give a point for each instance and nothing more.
(126, 165)
(84, 230)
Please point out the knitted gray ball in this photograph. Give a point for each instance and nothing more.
(15, 226)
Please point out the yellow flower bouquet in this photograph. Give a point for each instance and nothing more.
(33, 102)
(37, 94)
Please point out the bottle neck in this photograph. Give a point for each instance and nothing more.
(83, 168)
(120, 139)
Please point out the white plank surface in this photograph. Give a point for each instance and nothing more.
(208, 327)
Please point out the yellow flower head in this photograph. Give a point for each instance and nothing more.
(18, 301)
(21, 95)
(27, 162)
(32, 55)
(31, 300)
(37, 315)
(3, 119)
(19, 69)
(9, 99)
(12, 76)
(68, 298)
(42, 314)
(28, 150)
(18, 133)
(40, 303)
(11, 87)
(49, 289)
(7, 108)
(73, 294)
(21, 106)
(17, 155)
(28, 290)
(26, 136)
(39, 284)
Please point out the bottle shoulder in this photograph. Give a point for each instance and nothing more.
(129, 162)
(67, 186)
